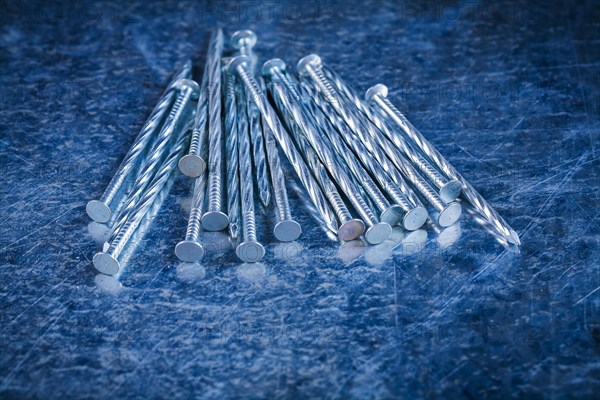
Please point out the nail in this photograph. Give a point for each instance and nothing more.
(190, 249)
(188, 91)
(250, 250)
(214, 219)
(193, 164)
(232, 162)
(104, 209)
(286, 228)
(258, 150)
(238, 65)
(469, 193)
(447, 213)
(111, 260)
(244, 41)
(375, 161)
(306, 135)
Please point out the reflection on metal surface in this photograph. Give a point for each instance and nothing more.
(292, 253)
(377, 255)
(414, 242)
(351, 251)
(253, 273)
(108, 284)
(447, 237)
(190, 272)
(99, 232)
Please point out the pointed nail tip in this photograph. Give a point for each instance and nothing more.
(514, 238)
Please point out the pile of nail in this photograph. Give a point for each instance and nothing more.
(364, 166)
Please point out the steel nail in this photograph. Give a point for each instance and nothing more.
(468, 191)
(286, 228)
(104, 209)
(306, 135)
(447, 213)
(238, 65)
(110, 261)
(250, 250)
(214, 219)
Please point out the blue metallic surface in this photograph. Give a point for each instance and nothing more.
(508, 92)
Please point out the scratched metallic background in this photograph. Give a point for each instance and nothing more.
(508, 91)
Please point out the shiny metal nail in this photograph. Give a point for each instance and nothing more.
(469, 193)
(305, 134)
(104, 209)
(238, 65)
(190, 249)
(193, 164)
(447, 214)
(250, 250)
(110, 261)
(214, 219)
(187, 91)
(232, 162)
(286, 228)
(258, 152)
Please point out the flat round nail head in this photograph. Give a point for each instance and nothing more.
(246, 36)
(415, 218)
(450, 191)
(392, 215)
(273, 63)
(311, 59)
(189, 251)
(235, 62)
(98, 211)
(450, 214)
(250, 251)
(214, 221)
(351, 230)
(287, 231)
(378, 233)
(192, 165)
(378, 89)
(106, 263)
(188, 84)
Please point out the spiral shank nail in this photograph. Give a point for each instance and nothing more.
(312, 160)
(423, 165)
(396, 189)
(401, 162)
(135, 153)
(200, 132)
(282, 206)
(121, 237)
(358, 128)
(215, 177)
(327, 129)
(154, 158)
(258, 151)
(468, 191)
(288, 148)
(139, 146)
(193, 228)
(246, 180)
(306, 133)
(233, 182)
